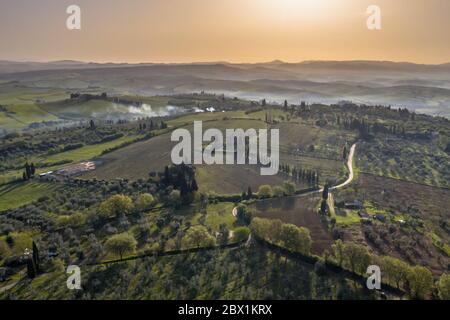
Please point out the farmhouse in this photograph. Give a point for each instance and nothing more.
(76, 169)
(354, 205)
(380, 217)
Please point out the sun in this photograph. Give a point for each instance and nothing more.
(297, 7)
(299, 4)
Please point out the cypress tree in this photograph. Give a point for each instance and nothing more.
(194, 186)
(31, 271)
(28, 170)
(36, 259)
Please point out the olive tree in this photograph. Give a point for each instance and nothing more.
(144, 202)
(198, 236)
(295, 239)
(116, 204)
(443, 286)
(420, 282)
(121, 244)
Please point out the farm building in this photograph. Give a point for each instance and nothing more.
(354, 205)
(364, 215)
(76, 169)
(380, 217)
(47, 176)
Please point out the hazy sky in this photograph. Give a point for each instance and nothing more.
(219, 30)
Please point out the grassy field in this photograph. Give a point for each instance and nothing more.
(21, 115)
(234, 179)
(81, 154)
(86, 152)
(154, 154)
(75, 110)
(22, 109)
(301, 211)
(17, 194)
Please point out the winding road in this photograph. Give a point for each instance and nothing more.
(349, 180)
(351, 176)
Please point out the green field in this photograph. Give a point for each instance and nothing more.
(81, 154)
(17, 194)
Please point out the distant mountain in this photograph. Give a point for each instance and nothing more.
(356, 65)
(425, 88)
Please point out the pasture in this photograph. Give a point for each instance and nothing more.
(301, 211)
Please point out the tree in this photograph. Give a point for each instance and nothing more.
(144, 201)
(420, 281)
(243, 214)
(265, 191)
(249, 192)
(27, 170)
(116, 204)
(121, 244)
(338, 249)
(240, 234)
(344, 153)
(223, 235)
(357, 257)
(4, 250)
(443, 286)
(325, 192)
(289, 188)
(31, 270)
(395, 270)
(278, 191)
(194, 185)
(35, 257)
(198, 236)
(175, 198)
(323, 206)
(167, 175)
(295, 238)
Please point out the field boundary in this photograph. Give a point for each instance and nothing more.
(402, 180)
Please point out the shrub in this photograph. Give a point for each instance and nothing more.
(278, 191)
(265, 191)
(240, 234)
(443, 285)
(144, 201)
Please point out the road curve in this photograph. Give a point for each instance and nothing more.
(350, 169)
(350, 178)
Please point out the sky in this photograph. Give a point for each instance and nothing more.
(225, 30)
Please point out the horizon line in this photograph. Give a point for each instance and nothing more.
(217, 62)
